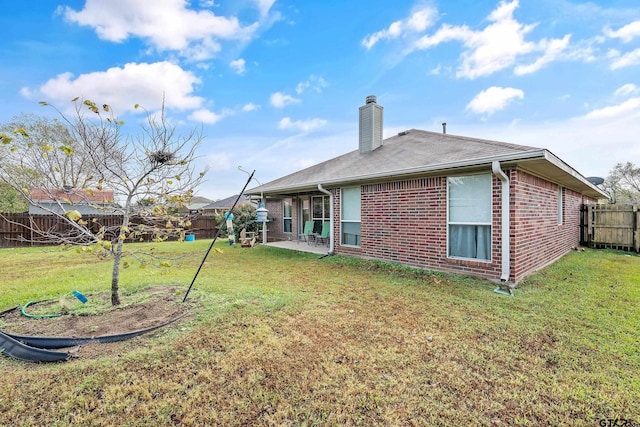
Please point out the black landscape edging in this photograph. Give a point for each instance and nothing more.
(37, 349)
(11, 347)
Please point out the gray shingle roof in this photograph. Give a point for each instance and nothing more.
(416, 149)
(227, 203)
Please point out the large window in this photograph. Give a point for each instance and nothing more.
(350, 216)
(320, 210)
(286, 215)
(469, 215)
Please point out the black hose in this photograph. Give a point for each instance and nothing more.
(216, 237)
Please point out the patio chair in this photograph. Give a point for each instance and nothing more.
(307, 234)
(247, 240)
(324, 234)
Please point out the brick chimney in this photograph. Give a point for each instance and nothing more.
(371, 115)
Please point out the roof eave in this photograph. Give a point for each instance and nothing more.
(579, 183)
(312, 185)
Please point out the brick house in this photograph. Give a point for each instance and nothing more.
(437, 201)
(58, 201)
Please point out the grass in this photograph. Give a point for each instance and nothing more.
(285, 338)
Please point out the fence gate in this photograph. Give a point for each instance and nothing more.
(610, 226)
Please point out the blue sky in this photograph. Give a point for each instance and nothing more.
(276, 84)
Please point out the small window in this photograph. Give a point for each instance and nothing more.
(286, 215)
(560, 205)
(350, 216)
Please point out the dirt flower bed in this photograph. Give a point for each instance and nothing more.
(149, 308)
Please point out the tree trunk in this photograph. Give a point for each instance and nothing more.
(117, 257)
(115, 276)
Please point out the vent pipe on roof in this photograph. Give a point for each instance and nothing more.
(370, 124)
(444, 127)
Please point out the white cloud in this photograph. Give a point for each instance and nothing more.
(250, 107)
(421, 19)
(626, 90)
(264, 6)
(124, 87)
(496, 47)
(418, 21)
(238, 66)
(220, 162)
(494, 99)
(627, 60)
(629, 107)
(207, 116)
(444, 34)
(281, 100)
(301, 125)
(552, 50)
(392, 32)
(626, 33)
(167, 25)
(613, 53)
(314, 83)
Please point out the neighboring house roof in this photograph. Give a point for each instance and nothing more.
(419, 152)
(197, 203)
(199, 200)
(227, 203)
(75, 196)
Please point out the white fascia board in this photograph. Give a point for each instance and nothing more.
(557, 162)
(486, 161)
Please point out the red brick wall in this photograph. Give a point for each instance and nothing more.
(406, 222)
(537, 238)
(275, 228)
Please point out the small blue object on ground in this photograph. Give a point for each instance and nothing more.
(190, 237)
(80, 297)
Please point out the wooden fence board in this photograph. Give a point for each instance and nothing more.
(611, 226)
(15, 228)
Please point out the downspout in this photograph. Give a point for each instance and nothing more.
(330, 194)
(264, 224)
(505, 221)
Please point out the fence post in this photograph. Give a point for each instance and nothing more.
(636, 241)
(590, 219)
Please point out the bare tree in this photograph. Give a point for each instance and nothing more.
(60, 167)
(623, 183)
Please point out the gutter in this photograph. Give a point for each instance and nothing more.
(505, 222)
(330, 194)
(525, 156)
(560, 164)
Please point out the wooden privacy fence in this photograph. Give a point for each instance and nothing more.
(610, 226)
(15, 228)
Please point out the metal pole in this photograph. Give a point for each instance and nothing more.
(215, 238)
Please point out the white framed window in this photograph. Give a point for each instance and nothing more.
(469, 217)
(350, 216)
(320, 211)
(560, 205)
(286, 215)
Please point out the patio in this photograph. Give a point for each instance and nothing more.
(300, 245)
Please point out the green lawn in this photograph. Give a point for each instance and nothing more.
(284, 338)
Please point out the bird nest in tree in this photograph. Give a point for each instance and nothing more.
(162, 157)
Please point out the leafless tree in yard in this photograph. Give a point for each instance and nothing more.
(65, 166)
